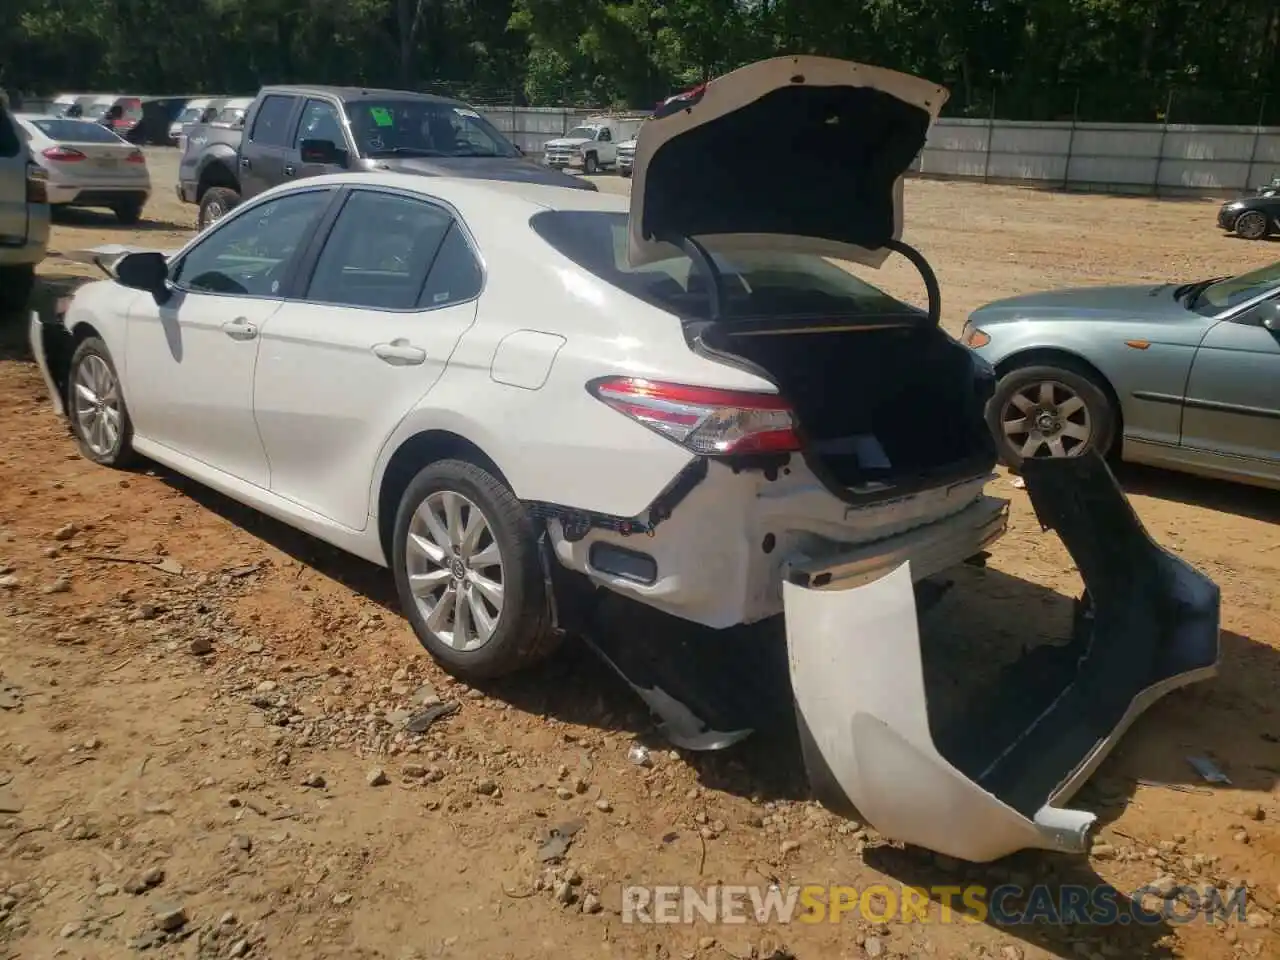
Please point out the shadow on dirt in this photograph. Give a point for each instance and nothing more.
(984, 622)
(14, 344)
(105, 220)
(1225, 496)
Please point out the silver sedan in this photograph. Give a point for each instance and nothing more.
(1184, 376)
(88, 165)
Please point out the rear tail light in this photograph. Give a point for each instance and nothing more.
(705, 420)
(37, 184)
(63, 154)
(137, 156)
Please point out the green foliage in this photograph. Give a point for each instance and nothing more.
(1099, 59)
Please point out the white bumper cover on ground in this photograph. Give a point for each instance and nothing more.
(995, 781)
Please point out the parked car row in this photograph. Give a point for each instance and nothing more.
(714, 418)
(156, 120)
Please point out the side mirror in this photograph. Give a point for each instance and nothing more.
(322, 151)
(144, 271)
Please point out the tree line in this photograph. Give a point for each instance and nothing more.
(1140, 60)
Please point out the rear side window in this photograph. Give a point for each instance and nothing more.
(379, 252)
(10, 142)
(270, 126)
(455, 276)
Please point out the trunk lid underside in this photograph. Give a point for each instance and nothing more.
(826, 141)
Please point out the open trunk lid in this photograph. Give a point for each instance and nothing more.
(804, 153)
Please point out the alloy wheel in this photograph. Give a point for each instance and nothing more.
(1047, 418)
(96, 403)
(455, 570)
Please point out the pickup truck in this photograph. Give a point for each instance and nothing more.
(591, 145)
(304, 131)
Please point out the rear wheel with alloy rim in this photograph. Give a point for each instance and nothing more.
(1050, 411)
(467, 572)
(95, 402)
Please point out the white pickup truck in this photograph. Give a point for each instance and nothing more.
(592, 146)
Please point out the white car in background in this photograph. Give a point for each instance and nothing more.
(88, 165)
(518, 396)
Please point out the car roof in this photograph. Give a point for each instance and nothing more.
(355, 94)
(467, 192)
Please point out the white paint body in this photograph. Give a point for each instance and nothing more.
(302, 420)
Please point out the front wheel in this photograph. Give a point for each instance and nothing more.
(466, 565)
(216, 203)
(1050, 411)
(590, 165)
(95, 402)
(1252, 225)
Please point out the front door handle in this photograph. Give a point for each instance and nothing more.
(239, 329)
(244, 162)
(289, 170)
(399, 353)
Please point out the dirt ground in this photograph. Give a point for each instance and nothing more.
(203, 749)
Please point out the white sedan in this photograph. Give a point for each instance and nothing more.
(516, 395)
(88, 165)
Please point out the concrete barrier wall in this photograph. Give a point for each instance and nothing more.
(1124, 157)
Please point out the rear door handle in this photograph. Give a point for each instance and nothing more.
(244, 162)
(399, 353)
(239, 329)
(289, 170)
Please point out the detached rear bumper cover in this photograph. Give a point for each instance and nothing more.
(996, 783)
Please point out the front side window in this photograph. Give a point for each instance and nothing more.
(10, 142)
(764, 283)
(320, 121)
(423, 128)
(248, 253)
(380, 252)
(270, 125)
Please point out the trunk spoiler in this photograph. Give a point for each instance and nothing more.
(997, 780)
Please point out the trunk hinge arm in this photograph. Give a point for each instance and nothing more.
(926, 272)
(704, 262)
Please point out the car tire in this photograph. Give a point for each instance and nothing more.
(1075, 403)
(95, 403)
(624, 173)
(486, 639)
(1252, 225)
(216, 203)
(590, 166)
(16, 284)
(128, 213)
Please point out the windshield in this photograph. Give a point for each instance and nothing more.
(74, 131)
(189, 114)
(1233, 291)
(765, 283)
(580, 133)
(229, 115)
(424, 128)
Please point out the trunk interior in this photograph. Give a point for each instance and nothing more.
(899, 405)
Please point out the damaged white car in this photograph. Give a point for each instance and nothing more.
(515, 395)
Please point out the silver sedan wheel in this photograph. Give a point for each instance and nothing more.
(1047, 419)
(455, 570)
(96, 402)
